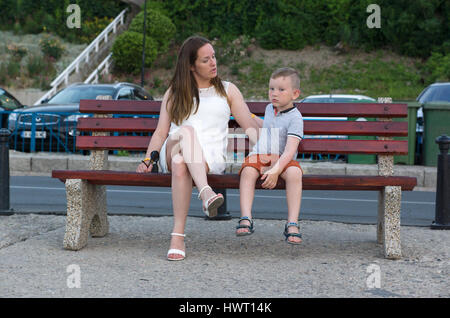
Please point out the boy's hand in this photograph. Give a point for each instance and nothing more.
(270, 178)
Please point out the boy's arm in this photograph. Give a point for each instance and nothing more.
(289, 151)
(271, 176)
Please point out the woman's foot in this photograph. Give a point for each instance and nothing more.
(177, 248)
(211, 201)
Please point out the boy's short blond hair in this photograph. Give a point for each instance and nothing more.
(288, 72)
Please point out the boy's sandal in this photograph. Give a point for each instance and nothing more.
(212, 204)
(250, 227)
(287, 234)
(176, 251)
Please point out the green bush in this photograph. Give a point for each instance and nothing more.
(414, 28)
(127, 52)
(17, 52)
(51, 47)
(158, 26)
(13, 68)
(32, 25)
(35, 16)
(3, 75)
(92, 28)
(437, 68)
(279, 32)
(36, 65)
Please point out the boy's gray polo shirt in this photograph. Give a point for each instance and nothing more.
(276, 129)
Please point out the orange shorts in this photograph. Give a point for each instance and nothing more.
(263, 163)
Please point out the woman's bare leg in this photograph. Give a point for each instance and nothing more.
(187, 144)
(181, 198)
(187, 164)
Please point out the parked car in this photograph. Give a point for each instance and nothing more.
(338, 98)
(7, 103)
(53, 123)
(436, 92)
(335, 98)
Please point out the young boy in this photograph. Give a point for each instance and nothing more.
(274, 154)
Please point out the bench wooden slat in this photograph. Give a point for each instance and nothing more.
(345, 146)
(141, 107)
(323, 146)
(353, 110)
(310, 182)
(356, 128)
(131, 143)
(314, 127)
(117, 124)
(258, 108)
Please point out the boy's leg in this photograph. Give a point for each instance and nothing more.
(247, 182)
(293, 178)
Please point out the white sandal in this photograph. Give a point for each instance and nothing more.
(176, 251)
(212, 204)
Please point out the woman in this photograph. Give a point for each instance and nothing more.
(192, 130)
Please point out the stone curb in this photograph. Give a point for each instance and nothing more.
(44, 163)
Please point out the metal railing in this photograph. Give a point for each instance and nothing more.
(56, 132)
(43, 131)
(84, 57)
(103, 68)
(48, 131)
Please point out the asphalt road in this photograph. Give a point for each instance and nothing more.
(47, 195)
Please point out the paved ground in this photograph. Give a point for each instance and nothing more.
(335, 260)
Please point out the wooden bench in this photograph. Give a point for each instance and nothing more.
(86, 193)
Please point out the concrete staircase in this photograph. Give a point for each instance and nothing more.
(94, 54)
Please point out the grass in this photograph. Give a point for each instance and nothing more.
(30, 71)
(375, 78)
(322, 70)
(376, 74)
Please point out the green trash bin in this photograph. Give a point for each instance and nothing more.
(401, 159)
(412, 121)
(436, 117)
(359, 158)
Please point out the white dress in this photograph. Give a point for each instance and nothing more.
(210, 123)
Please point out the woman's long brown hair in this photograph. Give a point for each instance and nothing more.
(183, 89)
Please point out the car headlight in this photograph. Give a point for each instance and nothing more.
(13, 116)
(75, 117)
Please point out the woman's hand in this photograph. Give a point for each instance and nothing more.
(143, 168)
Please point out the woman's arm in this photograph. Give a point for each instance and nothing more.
(259, 121)
(160, 134)
(241, 113)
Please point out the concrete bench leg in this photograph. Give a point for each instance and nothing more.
(86, 213)
(388, 229)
